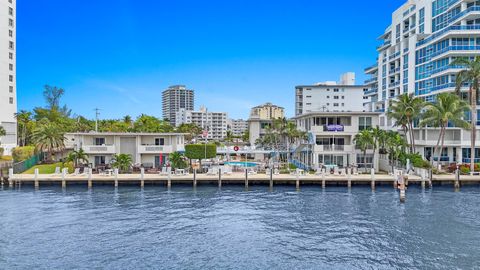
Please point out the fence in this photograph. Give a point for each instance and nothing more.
(22, 166)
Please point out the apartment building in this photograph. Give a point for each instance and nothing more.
(214, 122)
(260, 118)
(331, 139)
(175, 98)
(237, 126)
(415, 57)
(148, 149)
(8, 78)
(343, 96)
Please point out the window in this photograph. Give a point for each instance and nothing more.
(328, 96)
(99, 160)
(364, 123)
(335, 90)
(10, 66)
(10, 78)
(10, 33)
(336, 97)
(10, 22)
(159, 141)
(11, 45)
(10, 89)
(10, 55)
(343, 97)
(99, 141)
(10, 11)
(11, 100)
(335, 104)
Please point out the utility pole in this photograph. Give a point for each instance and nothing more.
(97, 114)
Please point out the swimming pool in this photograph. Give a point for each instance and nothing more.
(242, 164)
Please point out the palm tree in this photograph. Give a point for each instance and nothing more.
(447, 108)
(123, 162)
(395, 144)
(378, 136)
(2, 133)
(405, 111)
(48, 137)
(470, 76)
(76, 157)
(363, 141)
(177, 160)
(23, 118)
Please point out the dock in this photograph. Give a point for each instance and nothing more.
(240, 178)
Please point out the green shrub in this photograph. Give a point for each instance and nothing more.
(292, 166)
(197, 151)
(23, 153)
(465, 169)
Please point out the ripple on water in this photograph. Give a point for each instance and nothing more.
(233, 229)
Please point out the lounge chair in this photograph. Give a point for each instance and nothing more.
(212, 171)
(57, 171)
(164, 171)
(319, 171)
(76, 172)
(276, 172)
(252, 172)
(354, 171)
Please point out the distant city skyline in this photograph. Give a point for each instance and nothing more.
(235, 55)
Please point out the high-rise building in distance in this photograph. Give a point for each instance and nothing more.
(176, 97)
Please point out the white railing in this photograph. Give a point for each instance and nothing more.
(99, 149)
(153, 149)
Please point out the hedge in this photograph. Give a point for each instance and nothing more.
(197, 151)
(23, 153)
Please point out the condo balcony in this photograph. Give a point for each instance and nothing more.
(453, 29)
(99, 149)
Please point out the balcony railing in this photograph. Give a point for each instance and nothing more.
(152, 149)
(99, 149)
(451, 28)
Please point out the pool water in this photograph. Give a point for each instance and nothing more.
(232, 228)
(242, 164)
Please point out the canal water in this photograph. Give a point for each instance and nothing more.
(208, 228)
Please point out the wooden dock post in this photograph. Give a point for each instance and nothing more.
(90, 184)
(297, 182)
(10, 178)
(271, 178)
(219, 177)
(457, 180)
(169, 178)
(372, 175)
(349, 176)
(37, 184)
(115, 172)
(142, 177)
(194, 179)
(246, 178)
(64, 174)
(324, 182)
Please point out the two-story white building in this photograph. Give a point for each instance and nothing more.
(332, 139)
(147, 149)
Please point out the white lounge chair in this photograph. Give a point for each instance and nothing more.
(76, 172)
(354, 171)
(57, 171)
(212, 171)
(319, 171)
(276, 172)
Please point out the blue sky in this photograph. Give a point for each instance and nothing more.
(118, 55)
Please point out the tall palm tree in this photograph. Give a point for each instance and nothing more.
(23, 118)
(405, 110)
(395, 144)
(470, 76)
(363, 141)
(447, 108)
(48, 137)
(378, 136)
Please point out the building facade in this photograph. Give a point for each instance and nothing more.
(214, 122)
(175, 98)
(331, 139)
(415, 57)
(344, 96)
(8, 86)
(148, 149)
(238, 127)
(261, 117)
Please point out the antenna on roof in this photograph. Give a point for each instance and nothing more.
(97, 114)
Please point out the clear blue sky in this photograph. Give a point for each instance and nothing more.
(119, 55)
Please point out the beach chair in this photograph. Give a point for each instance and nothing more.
(76, 172)
(354, 171)
(57, 171)
(276, 172)
(164, 171)
(319, 171)
(212, 171)
(327, 171)
(336, 172)
(228, 170)
(343, 172)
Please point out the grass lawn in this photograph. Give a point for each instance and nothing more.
(45, 168)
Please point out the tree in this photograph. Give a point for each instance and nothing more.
(246, 136)
(470, 77)
(123, 162)
(405, 111)
(378, 136)
(151, 124)
(191, 130)
(395, 144)
(23, 119)
(2, 131)
(177, 160)
(76, 157)
(200, 151)
(448, 108)
(363, 141)
(48, 137)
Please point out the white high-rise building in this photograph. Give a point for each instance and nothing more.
(425, 36)
(8, 87)
(175, 98)
(344, 96)
(238, 126)
(214, 122)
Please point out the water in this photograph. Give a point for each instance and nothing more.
(232, 229)
(242, 164)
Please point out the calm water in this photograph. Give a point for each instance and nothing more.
(232, 229)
